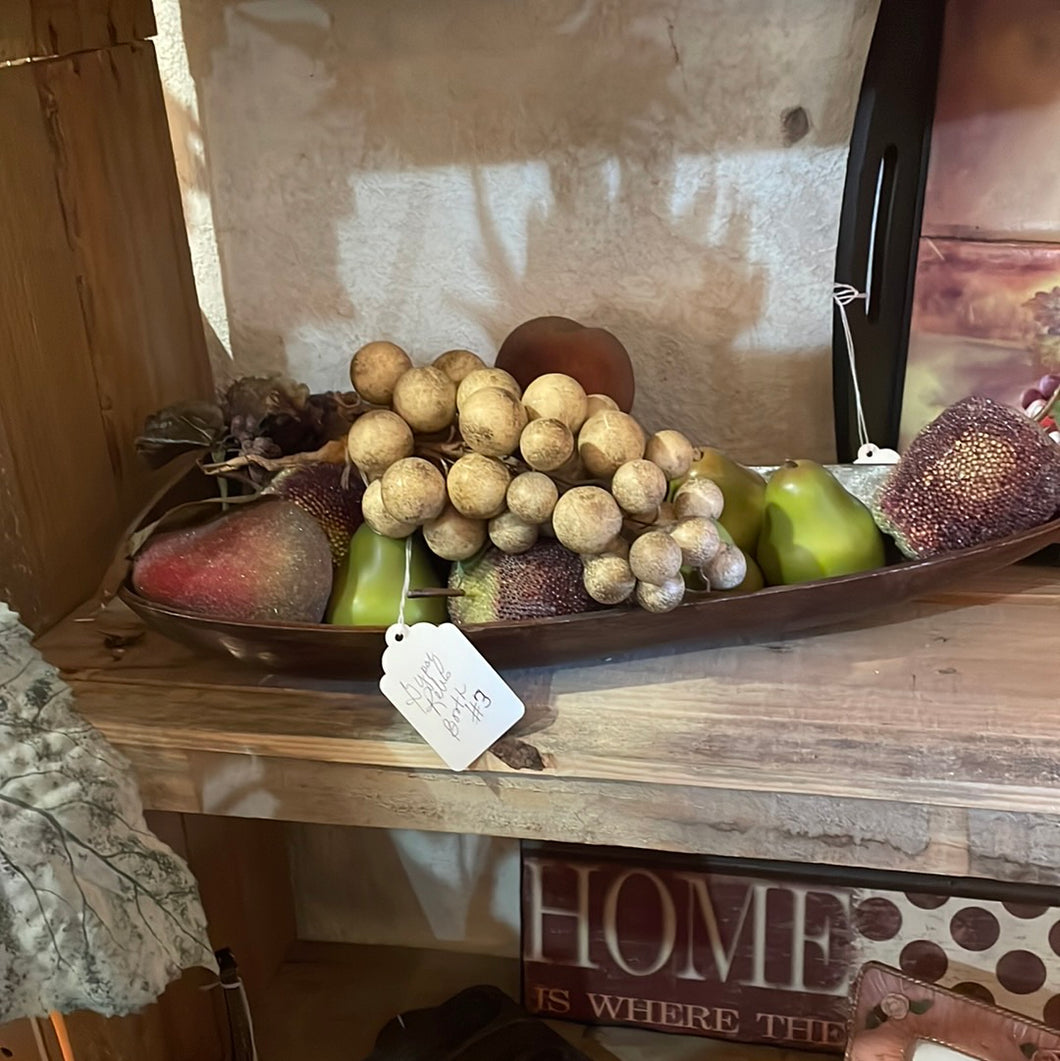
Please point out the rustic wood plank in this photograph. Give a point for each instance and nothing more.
(55, 471)
(121, 200)
(245, 884)
(17, 1038)
(870, 834)
(98, 316)
(870, 746)
(37, 28)
(917, 710)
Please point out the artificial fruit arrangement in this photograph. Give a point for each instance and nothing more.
(535, 492)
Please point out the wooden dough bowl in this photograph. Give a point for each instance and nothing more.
(702, 621)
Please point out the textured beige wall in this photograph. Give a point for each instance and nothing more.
(437, 172)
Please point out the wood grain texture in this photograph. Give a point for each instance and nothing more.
(17, 1037)
(245, 884)
(37, 28)
(914, 745)
(740, 824)
(120, 197)
(98, 317)
(58, 496)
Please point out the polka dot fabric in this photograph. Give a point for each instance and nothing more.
(1006, 953)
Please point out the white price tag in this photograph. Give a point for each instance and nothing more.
(441, 683)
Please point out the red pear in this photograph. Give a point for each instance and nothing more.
(268, 562)
(593, 356)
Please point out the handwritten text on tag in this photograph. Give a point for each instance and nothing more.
(452, 697)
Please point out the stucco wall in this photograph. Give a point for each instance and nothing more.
(436, 173)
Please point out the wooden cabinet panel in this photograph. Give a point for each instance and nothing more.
(58, 494)
(99, 323)
(57, 27)
(17, 1042)
(120, 198)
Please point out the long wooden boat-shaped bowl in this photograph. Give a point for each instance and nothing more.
(703, 621)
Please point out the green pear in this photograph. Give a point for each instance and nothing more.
(744, 493)
(368, 585)
(812, 528)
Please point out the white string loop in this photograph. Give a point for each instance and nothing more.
(843, 295)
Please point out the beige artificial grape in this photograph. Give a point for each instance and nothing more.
(727, 569)
(639, 486)
(491, 422)
(699, 497)
(607, 441)
(586, 519)
(698, 538)
(375, 370)
(598, 403)
(458, 364)
(608, 578)
(532, 496)
(546, 445)
(661, 598)
(556, 396)
(478, 485)
(378, 518)
(453, 536)
(425, 398)
(672, 452)
(655, 557)
(376, 440)
(486, 377)
(511, 534)
(413, 490)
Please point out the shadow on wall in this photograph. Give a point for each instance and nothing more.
(437, 173)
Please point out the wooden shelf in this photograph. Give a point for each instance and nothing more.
(928, 742)
(328, 1002)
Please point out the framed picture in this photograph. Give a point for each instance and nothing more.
(951, 214)
(895, 1017)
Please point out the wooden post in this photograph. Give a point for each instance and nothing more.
(99, 323)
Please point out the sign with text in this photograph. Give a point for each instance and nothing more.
(653, 941)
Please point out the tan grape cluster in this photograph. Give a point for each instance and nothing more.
(458, 449)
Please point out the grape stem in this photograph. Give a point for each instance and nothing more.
(333, 452)
(441, 451)
(1048, 406)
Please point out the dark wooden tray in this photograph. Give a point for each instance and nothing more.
(706, 621)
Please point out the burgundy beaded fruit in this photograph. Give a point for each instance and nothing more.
(979, 471)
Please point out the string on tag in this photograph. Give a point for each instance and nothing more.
(405, 583)
(843, 295)
(868, 452)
